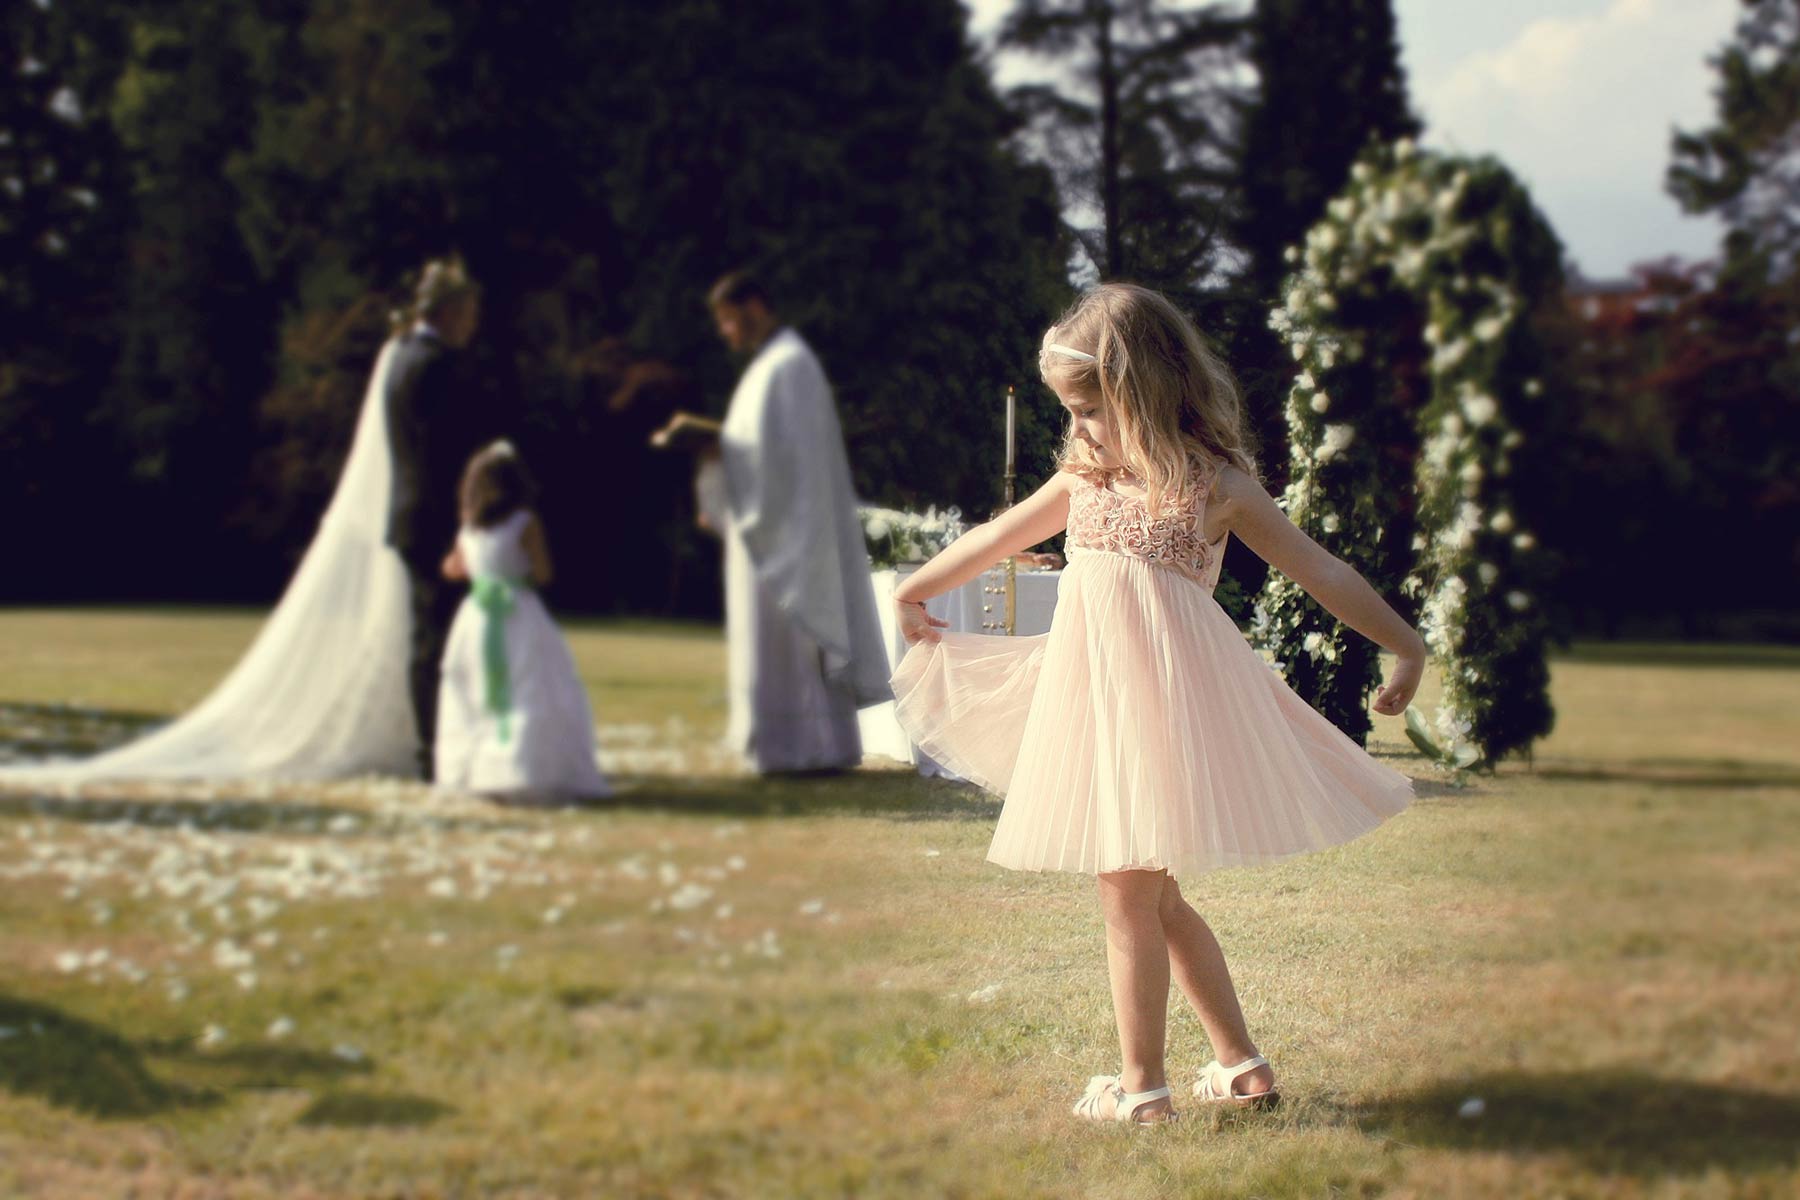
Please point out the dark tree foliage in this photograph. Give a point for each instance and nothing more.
(197, 320)
(285, 166)
(1679, 432)
(1747, 167)
(61, 243)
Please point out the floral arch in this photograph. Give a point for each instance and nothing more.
(1421, 374)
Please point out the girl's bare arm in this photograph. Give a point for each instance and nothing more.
(1042, 515)
(1248, 511)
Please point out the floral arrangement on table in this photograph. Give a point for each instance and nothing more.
(896, 536)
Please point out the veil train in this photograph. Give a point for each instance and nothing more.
(322, 691)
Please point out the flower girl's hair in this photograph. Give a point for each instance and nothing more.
(1163, 391)
(495, 485)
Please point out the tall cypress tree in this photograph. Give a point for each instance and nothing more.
(1329, 80)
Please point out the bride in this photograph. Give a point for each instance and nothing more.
(323, 691)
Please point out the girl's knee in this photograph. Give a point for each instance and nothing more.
(1132, 893)
(1171, 901)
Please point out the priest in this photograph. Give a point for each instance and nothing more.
(806, 648)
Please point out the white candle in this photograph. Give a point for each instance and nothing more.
(1010, 459)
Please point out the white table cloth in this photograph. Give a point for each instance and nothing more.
(963, 608)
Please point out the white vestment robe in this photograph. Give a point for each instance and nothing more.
(806, 648)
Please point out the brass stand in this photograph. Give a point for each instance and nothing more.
(1012, 567)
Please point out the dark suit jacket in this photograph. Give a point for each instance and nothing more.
(435, 422)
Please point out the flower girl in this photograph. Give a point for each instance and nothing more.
(1142, 738)
(514, 721)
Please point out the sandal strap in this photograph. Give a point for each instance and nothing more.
(1216, 1079)
(1244, 1068)
(1125, 1104)
(1130, 1102)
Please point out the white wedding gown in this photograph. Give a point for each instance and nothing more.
(322, 691)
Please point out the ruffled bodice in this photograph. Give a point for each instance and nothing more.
(1101, 519)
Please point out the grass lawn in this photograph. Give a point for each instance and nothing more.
(1577, 979)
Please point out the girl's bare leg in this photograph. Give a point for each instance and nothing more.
(1198, 967)
(1137, 960)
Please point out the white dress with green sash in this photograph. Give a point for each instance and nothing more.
(513, 717)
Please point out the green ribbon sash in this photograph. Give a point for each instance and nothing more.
(496, 596)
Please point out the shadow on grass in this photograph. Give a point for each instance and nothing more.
(1723, 773)
(365, 1110)
(1764, 656)
(242, 816)
(256, 1065)
(76, 1064)
(900, 795)
(1623, 1122)
(32, 733)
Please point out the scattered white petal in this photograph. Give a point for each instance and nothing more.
(1472, 1108)
(280, 1027)
(347, 1052)
(690, 896)
(812, 908)
(214, 1035)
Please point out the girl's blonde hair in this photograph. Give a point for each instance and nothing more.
(1163, 391)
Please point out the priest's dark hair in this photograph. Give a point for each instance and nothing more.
(740, 287)
(495, 485)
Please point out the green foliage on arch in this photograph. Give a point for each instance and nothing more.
(1409, 314)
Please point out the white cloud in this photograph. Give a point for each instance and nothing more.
(1582, 108)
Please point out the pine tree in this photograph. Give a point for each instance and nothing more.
(1140, 138)
(1747, 167)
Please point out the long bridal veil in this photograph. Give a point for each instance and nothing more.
(322, 691)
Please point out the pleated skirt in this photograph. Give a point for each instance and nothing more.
(1141, 732)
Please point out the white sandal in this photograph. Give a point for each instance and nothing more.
(1214, 1085)
(1125, 1104)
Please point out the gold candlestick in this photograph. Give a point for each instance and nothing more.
(1012, 476)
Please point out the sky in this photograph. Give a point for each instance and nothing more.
(1578, 97)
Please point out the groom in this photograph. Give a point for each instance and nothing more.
(435, 423)
(805, 642)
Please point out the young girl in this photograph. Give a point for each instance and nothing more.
(1142, 738)
(513, 718)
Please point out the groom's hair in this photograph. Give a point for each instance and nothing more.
(441, 281)
(739, 287)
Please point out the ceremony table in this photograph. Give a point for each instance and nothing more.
(963, 608)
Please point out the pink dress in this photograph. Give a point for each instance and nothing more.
(1142, 731)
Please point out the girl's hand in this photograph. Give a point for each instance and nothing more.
(1393, 699)
(917, 625)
